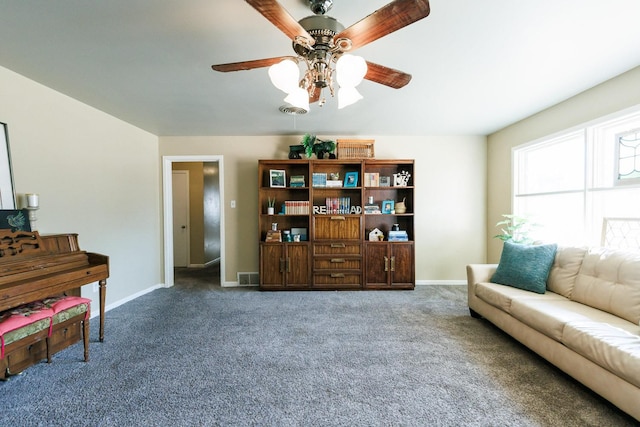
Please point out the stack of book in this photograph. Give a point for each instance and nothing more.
(297, 181)
(398, 236)
(372, 209)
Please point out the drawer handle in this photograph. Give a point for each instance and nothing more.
(338, 245)
(338, 218)
(337, 260)
(337, 275)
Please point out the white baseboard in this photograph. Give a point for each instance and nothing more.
(440, 282)
(95, 313)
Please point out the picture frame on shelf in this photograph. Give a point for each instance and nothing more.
(277, 178)
(351, 179)
(385, 181)
(388, 206)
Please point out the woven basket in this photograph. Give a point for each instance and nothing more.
(355, 149)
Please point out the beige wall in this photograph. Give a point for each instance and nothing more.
(96, 175)
(614, 95)
(450, 191)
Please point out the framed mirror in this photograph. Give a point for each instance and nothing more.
(7, 192)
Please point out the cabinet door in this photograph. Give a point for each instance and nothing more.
(297, 265)
(378, 264)
(401, 264)
(271, 265)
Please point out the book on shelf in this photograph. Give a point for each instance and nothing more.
(338, 205)
(319, 179)
(296, 181)
(333, 183)
(372, 179)
(372, 209)
(296, 207)
(398, 236)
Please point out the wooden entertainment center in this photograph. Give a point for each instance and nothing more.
(331, 234)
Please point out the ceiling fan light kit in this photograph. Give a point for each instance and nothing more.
(322, 43)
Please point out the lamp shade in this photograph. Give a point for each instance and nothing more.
(284, 75)
(298, 97)
(348, 96)
(351, 70)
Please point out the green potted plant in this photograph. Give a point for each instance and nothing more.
(515, 229)
(313, 145)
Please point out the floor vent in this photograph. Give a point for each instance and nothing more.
(248, 279)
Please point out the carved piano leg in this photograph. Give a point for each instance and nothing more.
(85, 339)
(103, 293)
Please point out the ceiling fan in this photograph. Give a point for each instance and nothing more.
(323, 43)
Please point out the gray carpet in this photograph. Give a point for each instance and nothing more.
(198, 356)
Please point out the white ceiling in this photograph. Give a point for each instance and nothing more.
(477, 66)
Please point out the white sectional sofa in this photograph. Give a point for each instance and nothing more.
(585, 320)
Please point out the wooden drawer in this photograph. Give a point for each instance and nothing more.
(337, 227)
(337, 263)
(337, 248)
(351, 280)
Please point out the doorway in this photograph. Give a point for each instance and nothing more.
(168, 197)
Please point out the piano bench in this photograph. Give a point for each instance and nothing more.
(67, 311)
(21, 328)
(24, 326)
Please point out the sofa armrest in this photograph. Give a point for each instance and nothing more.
(477, 273)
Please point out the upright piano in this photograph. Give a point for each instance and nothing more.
(35, 267)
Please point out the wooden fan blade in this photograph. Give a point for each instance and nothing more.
(392, 17)
(386, 76)
(278, 16)
(249, 65)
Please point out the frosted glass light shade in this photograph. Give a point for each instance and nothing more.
(284, 75)
(351, 70)
(298, 98)
(348, 96)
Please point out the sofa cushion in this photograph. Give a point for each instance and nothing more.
(550, 315)
(613, 348)
(501, 296)
(565, 268)
(525, 266)
(610, 280)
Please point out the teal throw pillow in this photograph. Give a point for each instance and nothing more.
(525, 266)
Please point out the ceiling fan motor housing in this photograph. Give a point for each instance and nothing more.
(322, 28)
(320, 7)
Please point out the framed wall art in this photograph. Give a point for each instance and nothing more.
(7, 194)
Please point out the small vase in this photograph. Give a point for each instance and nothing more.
(296, 151)
(270, 211)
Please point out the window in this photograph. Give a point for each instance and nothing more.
(568, 183)
(628, 157)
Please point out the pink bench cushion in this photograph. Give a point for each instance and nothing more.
(59, 304)
(20, 317)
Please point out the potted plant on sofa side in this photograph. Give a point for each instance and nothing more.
(515, 229)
